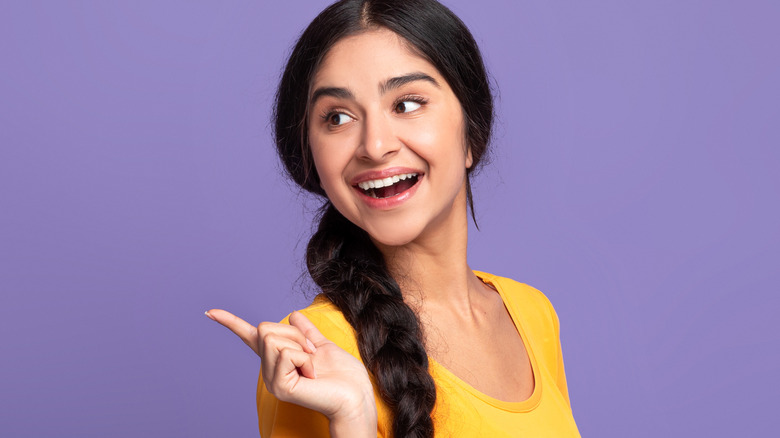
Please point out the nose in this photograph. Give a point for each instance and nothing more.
(378, 142)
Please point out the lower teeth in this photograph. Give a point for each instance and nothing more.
(372, 192)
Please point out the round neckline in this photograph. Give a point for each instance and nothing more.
(522, 406)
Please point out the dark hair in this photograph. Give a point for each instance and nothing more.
(340, 256)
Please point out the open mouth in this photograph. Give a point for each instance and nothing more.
(388, 187)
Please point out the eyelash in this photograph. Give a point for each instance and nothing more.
(410, 98)
(326, 115)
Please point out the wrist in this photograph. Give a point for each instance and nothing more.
(359, 420)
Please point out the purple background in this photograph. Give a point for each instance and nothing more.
(634, 182)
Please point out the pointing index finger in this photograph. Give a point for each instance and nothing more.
(244, 330)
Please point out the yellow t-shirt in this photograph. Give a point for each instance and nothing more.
(461, 410)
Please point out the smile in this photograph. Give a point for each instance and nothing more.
(387, 187)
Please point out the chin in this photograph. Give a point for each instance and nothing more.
(393, 242)
(392, 237)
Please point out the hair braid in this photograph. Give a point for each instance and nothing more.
(352, 273)
(341, 258)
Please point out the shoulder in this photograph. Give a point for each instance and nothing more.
(525, 301)
(331, 323)
(282, 419)
(533, 314)
(518, 293)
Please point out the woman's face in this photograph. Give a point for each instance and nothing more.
(388, 139)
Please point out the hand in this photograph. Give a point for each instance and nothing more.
(301, 366)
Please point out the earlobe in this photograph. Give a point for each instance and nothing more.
(469, 158)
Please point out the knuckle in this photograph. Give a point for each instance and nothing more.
(264, 328)
(268, 347)
(292, 355)
(285, 353)
(271, 338)
(273, 341)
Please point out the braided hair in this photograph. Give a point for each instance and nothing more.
(340, 257)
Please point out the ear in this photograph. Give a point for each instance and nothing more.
(469, 158)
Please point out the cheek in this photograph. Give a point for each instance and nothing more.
(323, 167)
(330, 161)
(425, 136)
(440, 142)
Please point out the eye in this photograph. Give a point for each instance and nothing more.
(338, 119)
(407, 106)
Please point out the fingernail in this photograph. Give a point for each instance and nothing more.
(311, 345)
(209, 315)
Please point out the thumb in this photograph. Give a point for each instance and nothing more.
(302, 323)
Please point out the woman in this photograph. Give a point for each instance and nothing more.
(384, 109)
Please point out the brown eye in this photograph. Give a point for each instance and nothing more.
(338, 119)
(406, 106)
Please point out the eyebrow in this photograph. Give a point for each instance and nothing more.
(399, 81)
(388, 85)
(340, 93)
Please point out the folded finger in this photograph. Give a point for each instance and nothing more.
(286, 331)
(273, 344)
(310, 331)
(295, 361)
(284, 374)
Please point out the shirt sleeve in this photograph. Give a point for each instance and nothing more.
(561, 374)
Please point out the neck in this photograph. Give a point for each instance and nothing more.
(433, 269)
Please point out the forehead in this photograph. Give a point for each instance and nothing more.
(372, 55)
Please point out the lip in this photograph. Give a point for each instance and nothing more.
(392, 201)
(381, 174)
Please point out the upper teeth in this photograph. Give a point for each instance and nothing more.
(384, 182)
